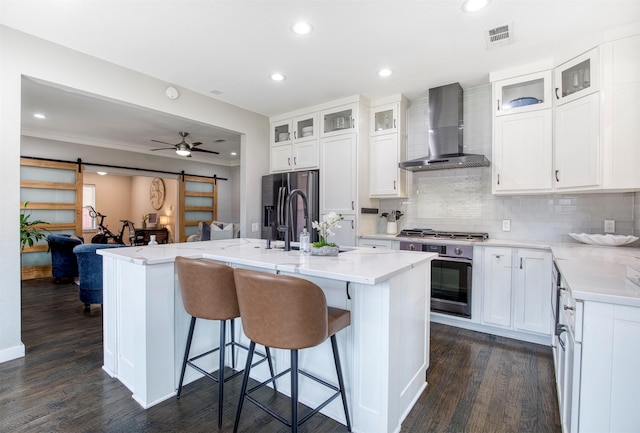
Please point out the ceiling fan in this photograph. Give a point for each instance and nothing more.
(183, 148)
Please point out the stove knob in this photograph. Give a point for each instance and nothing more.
(458, 251)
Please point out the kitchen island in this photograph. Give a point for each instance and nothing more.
(385, 351)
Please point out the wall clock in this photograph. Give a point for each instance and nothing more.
(156, 193)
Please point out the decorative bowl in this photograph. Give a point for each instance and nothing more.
(606, 240)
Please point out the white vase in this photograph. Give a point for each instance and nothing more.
(325, 251)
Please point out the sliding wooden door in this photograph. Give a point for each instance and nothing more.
(198, 202)
(53, 191)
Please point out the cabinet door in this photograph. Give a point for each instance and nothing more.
(383, 169)
(306, 127)
(281, 133)
(305, 155)
(338, 120)
(521, 94)
(338, 174)
(384, 119)
(280, 158)
(496, 304)
(532, 291)
(523, 152)
(621, 111)
(577, 77)
(345, 236)
(577, 145)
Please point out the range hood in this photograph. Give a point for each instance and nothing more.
(445, 133)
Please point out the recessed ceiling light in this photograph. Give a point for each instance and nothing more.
(384, 72)
(474, 5)
(39, 116)
(234, 153)
(277, 76)
(301, 28)
(101, 173)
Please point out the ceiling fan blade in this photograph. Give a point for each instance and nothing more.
(163, 142)
(195, 149)
(197, 143)
(164, 148)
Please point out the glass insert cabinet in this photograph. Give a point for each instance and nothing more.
(338, 120)
(577, 78)
(524, 93)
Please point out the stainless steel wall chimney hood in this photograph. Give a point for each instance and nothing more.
(445, 133)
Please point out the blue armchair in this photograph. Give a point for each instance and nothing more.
(90, 270)
(63, 261)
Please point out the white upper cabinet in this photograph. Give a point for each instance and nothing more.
(522, 93)
(294, 143)
(387, 148)
(522, 133)
(338, 175)
(578, 77)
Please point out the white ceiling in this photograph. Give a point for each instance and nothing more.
(232, 46)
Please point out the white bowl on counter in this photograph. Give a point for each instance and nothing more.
(608, 240)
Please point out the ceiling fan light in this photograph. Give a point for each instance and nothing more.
(183, 152)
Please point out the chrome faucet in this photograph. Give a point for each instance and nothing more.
(287, 228)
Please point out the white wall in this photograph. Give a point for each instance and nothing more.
(461, 199)
(21, 54)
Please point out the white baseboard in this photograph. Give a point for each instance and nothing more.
(14, 352)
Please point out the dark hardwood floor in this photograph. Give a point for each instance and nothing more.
(477, 383)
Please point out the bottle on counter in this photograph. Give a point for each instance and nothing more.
(152, 240)
(305, 241)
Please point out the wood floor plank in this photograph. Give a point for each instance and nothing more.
(476, 383)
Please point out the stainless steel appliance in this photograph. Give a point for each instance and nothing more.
(275, 190)
(452, 271)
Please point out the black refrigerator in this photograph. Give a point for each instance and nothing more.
(275, 189)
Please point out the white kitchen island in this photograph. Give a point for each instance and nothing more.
(384, 353)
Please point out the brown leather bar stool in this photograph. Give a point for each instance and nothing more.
(209, 292)
(291, 313)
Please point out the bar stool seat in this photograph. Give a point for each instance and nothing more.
(208, 292)
(286, 312)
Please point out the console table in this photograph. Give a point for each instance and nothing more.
(142, 236)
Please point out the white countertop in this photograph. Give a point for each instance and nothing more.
(593, 273)
(360, 265)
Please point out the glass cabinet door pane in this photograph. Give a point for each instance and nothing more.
(338, 121)
(281, 133)
(384, 120)
(522, 94)
(576, 78)
(304, 128)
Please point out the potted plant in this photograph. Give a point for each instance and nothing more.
(323, 247)
(30, 233)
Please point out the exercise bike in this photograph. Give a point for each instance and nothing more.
(105, 236)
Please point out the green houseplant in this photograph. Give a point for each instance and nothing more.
(30, 233)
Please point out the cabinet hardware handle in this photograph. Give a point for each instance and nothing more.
(498, 256)
(352, 224)
(498, 178)
(353, 205)
(295, 135)
(498, 102)
(557, 97)
(288, 161)
(394, 123)
(520, 262)
(557, 177)
(566, 307)
(562, 288)
(394, 185)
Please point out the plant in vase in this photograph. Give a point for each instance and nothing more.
(29, 232)
(324, 228)
(145, 217)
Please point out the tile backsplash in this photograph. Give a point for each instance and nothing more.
(461, 199)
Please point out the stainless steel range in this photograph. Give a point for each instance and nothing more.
(451, 272)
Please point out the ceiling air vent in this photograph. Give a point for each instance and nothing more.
(498, 36)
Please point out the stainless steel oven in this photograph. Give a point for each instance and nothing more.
(451, 275)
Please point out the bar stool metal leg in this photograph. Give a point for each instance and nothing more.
(336, 358)
(294, 391)
(186, 354)
(245, 381)
(233, 345)
(223, 334)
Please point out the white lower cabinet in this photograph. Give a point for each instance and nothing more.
(377, 243)
(496, 302)
(517, 289)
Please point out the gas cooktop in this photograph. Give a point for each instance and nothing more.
(435, 234)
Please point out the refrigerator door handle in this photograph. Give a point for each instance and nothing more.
(282, 196)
